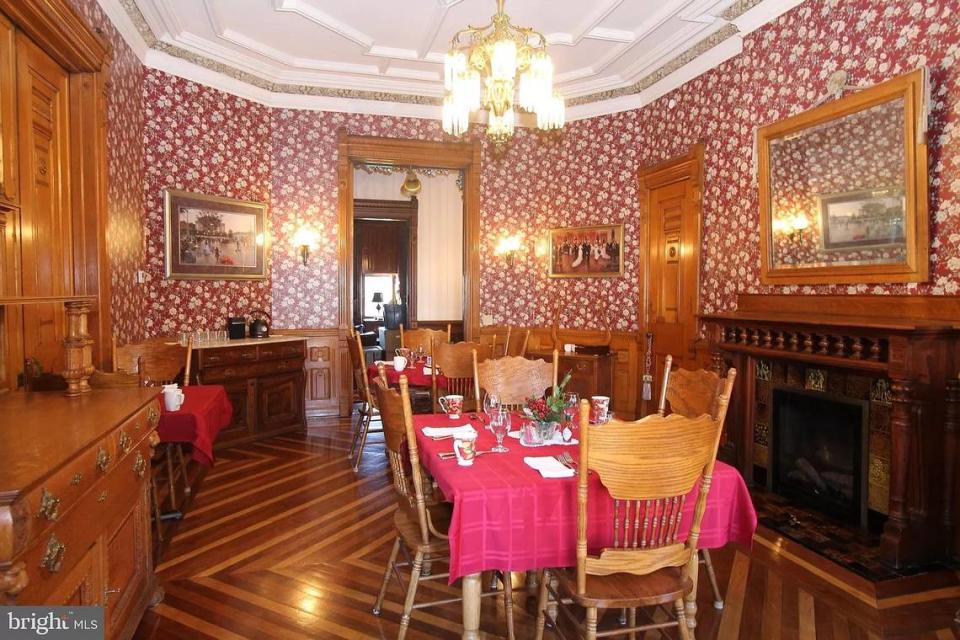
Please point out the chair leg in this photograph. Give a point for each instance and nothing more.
(542, 604)
(386, 576)
(682, 627)
(156, 506)
(170, 479)
(508, 601)
(632, 622)
(183, 469)
(364, 427)
(591, 626)
(411, 594)
(356, 433)
(711, 574)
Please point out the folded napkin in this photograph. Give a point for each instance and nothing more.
(549, 467)
(557, 439)
(427, 371)
(444, 432)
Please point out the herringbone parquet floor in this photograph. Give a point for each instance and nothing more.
(284, 541)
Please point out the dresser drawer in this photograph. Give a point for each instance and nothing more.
(281, 350)
(227, 355)
(216, 375)
(56, 551)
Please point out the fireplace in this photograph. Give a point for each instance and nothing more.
(820, 451)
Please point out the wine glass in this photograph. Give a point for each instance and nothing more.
(491, 404)
(570, 405)
(500, 425)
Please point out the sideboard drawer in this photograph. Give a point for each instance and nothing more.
(227, 355)
(281, 350)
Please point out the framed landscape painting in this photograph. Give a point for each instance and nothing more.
(586, 252)
(213, 238)
(866, 218)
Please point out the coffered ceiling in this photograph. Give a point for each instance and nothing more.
(392, 50)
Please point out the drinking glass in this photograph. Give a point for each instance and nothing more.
(570, 402)
(500, 425)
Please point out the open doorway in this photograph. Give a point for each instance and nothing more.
(458, 162)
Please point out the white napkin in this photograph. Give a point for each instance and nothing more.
(549, 467)
(427, 371)
(442, 432)
(557, 439)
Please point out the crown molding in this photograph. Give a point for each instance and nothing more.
(597, 98)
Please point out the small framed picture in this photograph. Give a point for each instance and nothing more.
(586, 252)
(858, 219)
(213, 238)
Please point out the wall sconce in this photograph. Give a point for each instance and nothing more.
(791, 226)
(508, 247)
(304, 239)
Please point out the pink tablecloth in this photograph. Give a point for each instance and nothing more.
(415, 376)
(204, 412)
(506, 516)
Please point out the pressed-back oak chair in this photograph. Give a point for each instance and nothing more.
(692, 393)
(415, 338)
(514, 379)
(367, 409)
(518, 345)
(421, 522)
(455, 362)
(649, 467)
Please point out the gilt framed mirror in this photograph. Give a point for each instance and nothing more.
(843, 189)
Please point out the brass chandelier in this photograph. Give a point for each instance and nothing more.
(501, 68)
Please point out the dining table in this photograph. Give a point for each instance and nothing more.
(418, 375)
(205, 411)
(507, 517)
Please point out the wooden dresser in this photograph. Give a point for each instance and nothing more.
(592, 374)
(264, 379)
(75, 502)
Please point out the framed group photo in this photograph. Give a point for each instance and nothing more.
(213, 238)
(586, 252)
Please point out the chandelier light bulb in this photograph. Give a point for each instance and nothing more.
(454, 64)
(503, 61)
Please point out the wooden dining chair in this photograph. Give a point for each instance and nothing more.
(414, 338)
(692, 393)
(421, 523)
(455, 362)
(649, 467)
(514, 379)
(367, 410)
(519, 346)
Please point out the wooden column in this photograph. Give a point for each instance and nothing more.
(902, 437)
(78, 348)
(951, 426)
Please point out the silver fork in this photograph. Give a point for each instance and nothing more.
(567, 460)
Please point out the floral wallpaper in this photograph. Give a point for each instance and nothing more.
(200, 139)
(125, 167)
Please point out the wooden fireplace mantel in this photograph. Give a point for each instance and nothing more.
(914, 341)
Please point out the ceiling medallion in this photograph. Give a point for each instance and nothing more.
(502, 67)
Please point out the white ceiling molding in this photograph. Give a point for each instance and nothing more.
(237, 61)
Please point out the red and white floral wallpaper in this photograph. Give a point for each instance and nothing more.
(125, 167)
(200, 139)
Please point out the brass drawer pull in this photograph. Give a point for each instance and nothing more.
(248, 356)
(52, 559)
(77, 478)
(102, 497)
(49, 505)
(125, 442)
(103, 459)
(153, 416)
(139, 465)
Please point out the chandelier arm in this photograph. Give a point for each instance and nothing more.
(470, 30)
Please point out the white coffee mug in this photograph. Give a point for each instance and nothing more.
(172, 399)
(465, 448)
(570, 348)
(399, 363)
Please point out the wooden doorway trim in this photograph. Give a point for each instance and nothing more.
(688, 167)
(402, 211)
(463, 156)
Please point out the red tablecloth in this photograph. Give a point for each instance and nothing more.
(506, 516)
(415, 375)
(205, 411)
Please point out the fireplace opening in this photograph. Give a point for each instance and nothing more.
(820, 451)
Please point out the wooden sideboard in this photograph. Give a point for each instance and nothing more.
(592, 375)
(75, 502)
(264, 380)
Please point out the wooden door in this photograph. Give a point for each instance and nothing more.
(280, 402)
(671, 194)
(128, 565)
(9, 189)
(46, 247)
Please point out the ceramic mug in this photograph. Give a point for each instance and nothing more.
(599, 409)
(570, 348)
(172, 399)
(465, 448)
(403, 352)
(399, 363)
(452, 406)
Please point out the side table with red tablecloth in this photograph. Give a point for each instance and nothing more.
(205, 411)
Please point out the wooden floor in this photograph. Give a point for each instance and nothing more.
(284, 541)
